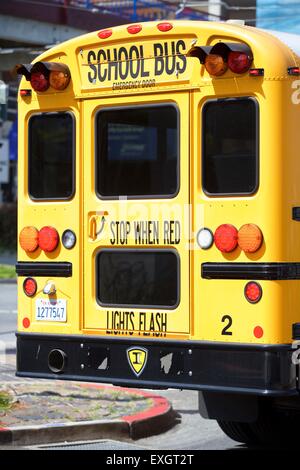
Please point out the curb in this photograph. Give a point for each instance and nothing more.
(156, 420)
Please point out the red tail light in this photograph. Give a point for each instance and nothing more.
(39, 81)
(239, 62)
(48, 239)
(30, 286)
(226, 238)
(253, 292)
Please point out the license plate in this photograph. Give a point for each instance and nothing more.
(51, 310)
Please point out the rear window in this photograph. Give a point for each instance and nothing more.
(51, 156)
(147, 278)
(137, 151)
(230, 147)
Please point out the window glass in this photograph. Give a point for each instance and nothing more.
(147, 278)
(137, 151)
(230, 147)
(51, 156)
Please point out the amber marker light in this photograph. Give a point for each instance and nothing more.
(250, 238)
(29, 239)
(59, 80)
(215, 65)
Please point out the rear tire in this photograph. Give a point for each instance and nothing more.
(240, 432)
(271, 428)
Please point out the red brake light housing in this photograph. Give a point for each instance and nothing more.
(218, 58)
(48, 239)
(42, 75)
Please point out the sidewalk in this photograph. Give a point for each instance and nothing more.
(42, 411)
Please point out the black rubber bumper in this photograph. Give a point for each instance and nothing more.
(206, 366)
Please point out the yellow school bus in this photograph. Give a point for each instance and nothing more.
(159, 210)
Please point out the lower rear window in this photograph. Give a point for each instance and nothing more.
(148, 278)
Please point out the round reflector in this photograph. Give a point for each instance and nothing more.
(253, 292)
(30, 286)
(215, 64)
(48, 239)
(59, 80)
(39, 81)
(226, 238)
(26, 322)
(239, 62)
(250, 238)
(205, 238)
(29, 239)
(258, 332)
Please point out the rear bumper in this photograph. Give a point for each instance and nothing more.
(207, 366)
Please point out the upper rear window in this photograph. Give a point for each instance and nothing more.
(51, 156)
(230, 147)
(137, 151)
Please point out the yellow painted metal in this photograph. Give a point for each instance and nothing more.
(203, 303)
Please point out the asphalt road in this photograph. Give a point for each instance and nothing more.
(192, 432)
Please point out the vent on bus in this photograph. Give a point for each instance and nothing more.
(42, 75)
(217, 59)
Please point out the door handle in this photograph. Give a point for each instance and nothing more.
(96, 224)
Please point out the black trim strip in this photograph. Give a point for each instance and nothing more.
(255, 369)
(268, 271)
(36, 268)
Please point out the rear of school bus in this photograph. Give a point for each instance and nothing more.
(158, 217)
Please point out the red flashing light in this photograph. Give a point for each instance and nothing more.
(134, 29)
(105, 33)
(39, 81)
(48, 239)
(164, 27)
(226, 238)
(26, 322)
(258, 332)
(30, 286)
(253, 292)
(239, 62)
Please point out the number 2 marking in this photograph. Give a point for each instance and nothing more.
(228, 319)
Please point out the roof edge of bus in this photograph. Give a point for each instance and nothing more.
(247, 34)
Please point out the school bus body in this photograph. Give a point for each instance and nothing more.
(214, 339)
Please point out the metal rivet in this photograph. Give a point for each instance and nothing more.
(82, 346)
(82, 366)
(190, 352)
(190, 373)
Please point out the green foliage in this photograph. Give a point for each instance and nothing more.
(7, 272)
(5, 401)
